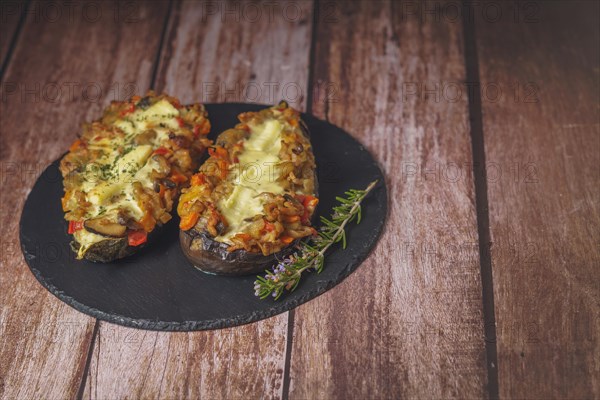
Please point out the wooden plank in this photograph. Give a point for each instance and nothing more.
(48, 90)
(542, 141)
(211, 56)
(10, 14)
(408, 323)
(265, 58)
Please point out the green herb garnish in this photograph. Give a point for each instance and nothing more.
(311, 255)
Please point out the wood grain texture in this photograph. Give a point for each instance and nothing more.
(212, 56)
(542, 139)
(48, 90)
(226, 364)
(250, 52)
(408, 323)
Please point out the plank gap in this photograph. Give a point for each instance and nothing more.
(481, 201)
(285, 390)
(88, 360)
(311, 57)
(163, 33)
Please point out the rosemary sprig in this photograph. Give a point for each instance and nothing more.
(311, 255)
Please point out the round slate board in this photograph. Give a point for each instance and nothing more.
(158, 288)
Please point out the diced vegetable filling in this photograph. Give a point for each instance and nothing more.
(124, 172)
(256, 192)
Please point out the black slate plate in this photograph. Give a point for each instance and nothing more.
(158, 288)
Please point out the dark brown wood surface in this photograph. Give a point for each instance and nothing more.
(411, 321)
(542, 140)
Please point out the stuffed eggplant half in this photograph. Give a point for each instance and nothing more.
(253, 198)
(123, 174)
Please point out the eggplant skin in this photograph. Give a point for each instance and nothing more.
(112, 248)
(107, 250)
(212, 257)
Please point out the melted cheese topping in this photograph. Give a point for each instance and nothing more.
(108, 181)
(256, 173)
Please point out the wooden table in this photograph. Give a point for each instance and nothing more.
(485, 120)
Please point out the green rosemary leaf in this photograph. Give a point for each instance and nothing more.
(343, 200)
(286, 275)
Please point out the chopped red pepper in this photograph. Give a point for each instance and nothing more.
(128, 110)
(287, 239)
(136, 238)
(178, 177)
(269, 227)
(161, 151)
(180, 122)
(76, 145)
(223, 168)
(75, 226)
(188, 221)
(198, 179)
(218, 152)
(309, 203)
(196, 131)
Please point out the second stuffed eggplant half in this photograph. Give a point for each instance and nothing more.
(253, 198)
